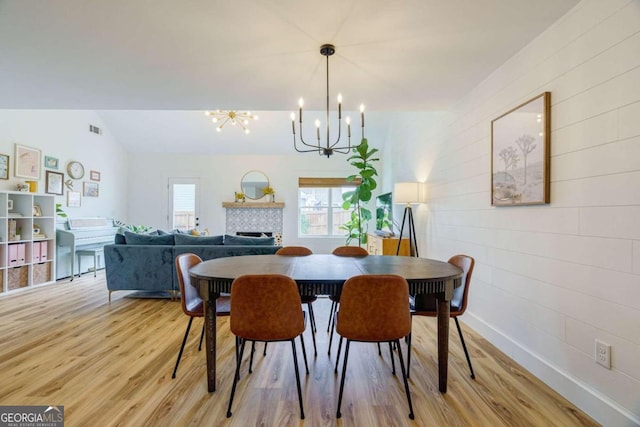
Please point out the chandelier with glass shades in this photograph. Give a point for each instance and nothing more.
(329, 146)
(231, 116)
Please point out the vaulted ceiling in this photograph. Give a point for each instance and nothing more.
(186, 56)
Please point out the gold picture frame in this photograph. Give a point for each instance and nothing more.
(520, 154)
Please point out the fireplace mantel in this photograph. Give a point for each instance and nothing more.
(264, 205)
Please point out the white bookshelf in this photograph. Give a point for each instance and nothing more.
(26, 258)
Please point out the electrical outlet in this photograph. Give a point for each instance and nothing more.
(603, 354)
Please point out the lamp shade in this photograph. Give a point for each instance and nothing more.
(408, 192)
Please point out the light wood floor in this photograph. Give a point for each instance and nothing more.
(111, 364)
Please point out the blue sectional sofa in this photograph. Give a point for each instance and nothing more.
(147, 263)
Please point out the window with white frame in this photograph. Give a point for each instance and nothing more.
(320, 212)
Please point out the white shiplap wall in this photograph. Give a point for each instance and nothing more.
(549, 279)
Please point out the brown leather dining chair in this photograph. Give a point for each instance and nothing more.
(425, 305)
(191, 302)
(266, 307)
(374, 308)
(306, 299)
(346, 251)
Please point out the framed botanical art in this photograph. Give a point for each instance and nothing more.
(90, 189)
(27, 162)
(520, 152)
(4, 166)
(54, 183)
(73, 199)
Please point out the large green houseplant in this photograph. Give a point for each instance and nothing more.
(357, 198)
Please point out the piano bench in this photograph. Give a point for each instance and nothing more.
(96, 253)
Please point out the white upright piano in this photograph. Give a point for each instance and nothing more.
(77, 234)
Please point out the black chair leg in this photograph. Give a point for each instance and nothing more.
(236, 376)
(393, 363)
(253, 350)
(330, 322)
(238, 354)
(313, 330)
(344, 372)
(201, 338)
(184, 341)
(333, 326)
(406, 382)
(379, 350)
(338, 355)
(464, 347)
(312, 317)
(304, 353)
(408, 338)
(295, 364)
(264, 353)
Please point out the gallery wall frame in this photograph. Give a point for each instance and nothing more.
(90, 189)
(74, 199)
(4, 166)
(520, 154)
(27, 162)
(51, 162)
(54, 182)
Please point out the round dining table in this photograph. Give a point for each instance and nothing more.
(324, 275)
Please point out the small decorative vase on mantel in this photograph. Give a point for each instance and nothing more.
(272, 198)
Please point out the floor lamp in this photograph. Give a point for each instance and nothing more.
(408, 193)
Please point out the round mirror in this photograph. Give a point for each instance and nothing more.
(253, 184)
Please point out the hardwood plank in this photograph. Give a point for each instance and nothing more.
(111, 364)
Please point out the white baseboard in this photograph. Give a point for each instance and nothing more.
(593, 403)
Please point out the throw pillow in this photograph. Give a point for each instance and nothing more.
(243, 240)
(119, 239)
(145, 239)
(185, 239)
(196, 232)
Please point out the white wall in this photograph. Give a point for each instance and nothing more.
(549, 279)
(219, 177)
(64, 134)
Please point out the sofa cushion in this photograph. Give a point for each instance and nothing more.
(145, 239)
(242, 240)
(119, 239)
(186, 239)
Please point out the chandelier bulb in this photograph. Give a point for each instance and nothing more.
(255, 117)
(317, 123)
(361, 108)
(214, 120)
(218, 129)
(293, 117)
(301, 103)
(339, 98)
(348, 120)
(247, 131)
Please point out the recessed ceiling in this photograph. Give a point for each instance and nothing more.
(262, 55)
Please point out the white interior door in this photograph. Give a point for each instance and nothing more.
(184, 201)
